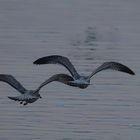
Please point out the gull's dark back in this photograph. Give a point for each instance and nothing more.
(56, 59)
(13, 82)
(113, 66)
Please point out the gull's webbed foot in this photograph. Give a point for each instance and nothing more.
(25, 103)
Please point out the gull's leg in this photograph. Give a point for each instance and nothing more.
(25, 103)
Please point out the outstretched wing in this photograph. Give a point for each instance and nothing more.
(56, 59)
(63, 78)
(113, 66)
(13, 82)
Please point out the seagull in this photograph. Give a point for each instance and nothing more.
(79, 80)
(30, 96)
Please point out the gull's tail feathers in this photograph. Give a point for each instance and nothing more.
(15, 98)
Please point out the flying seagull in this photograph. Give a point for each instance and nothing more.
(30, 96)
(80, 80)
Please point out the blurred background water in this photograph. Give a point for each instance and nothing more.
(89, 33)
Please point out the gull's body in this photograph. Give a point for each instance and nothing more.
(30, 96)
(80, 80)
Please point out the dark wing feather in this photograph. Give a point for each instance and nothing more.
(63, 78)
(113, 66)
(13, 82)
(15, 98)
(56, 59)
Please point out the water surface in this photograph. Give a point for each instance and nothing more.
(89, 33)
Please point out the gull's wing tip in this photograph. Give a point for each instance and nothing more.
(120, 67)
(42, 60)
(37, 62)
(50, 59)
(131, 72)
(127, 69)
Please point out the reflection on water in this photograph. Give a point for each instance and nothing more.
(88, 38)
(93, 36)
(89, 33)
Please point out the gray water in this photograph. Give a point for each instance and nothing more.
(89, 33)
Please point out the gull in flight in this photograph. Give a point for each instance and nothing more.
(30, 96)
(80, 80)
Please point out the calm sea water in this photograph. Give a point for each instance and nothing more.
(89, 33)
